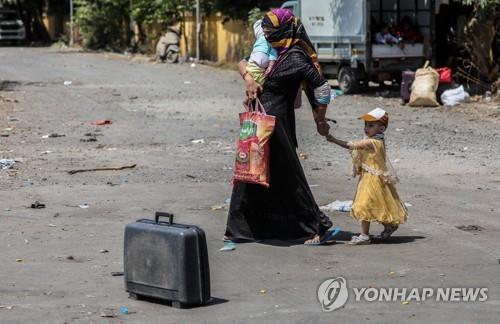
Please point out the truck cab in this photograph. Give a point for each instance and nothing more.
(11, 26)
(344, 33)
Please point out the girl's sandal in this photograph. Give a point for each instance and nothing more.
(388, 231)
(359, 240)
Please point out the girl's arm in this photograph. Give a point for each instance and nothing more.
(344, 144)
(365, 144)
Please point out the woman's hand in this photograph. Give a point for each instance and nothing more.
(253, 89)
(322, 127)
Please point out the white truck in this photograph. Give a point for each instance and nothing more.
(343, 33)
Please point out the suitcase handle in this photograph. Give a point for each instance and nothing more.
(162, 214)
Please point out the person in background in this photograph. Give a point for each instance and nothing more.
(385, 37)
(407, 32)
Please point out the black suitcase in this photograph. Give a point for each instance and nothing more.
(407, 78)
(166, 261)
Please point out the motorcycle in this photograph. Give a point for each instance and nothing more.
(167, 48)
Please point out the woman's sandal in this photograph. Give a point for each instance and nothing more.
(329, 235)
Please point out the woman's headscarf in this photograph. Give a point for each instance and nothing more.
(286, 30)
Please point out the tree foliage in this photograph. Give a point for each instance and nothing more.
(103, 23)
(482, 4)
(483, 37)
(164, 12)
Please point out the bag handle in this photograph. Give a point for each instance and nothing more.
(255, 106)
(163, 214)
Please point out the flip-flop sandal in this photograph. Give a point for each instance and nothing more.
(328, 237)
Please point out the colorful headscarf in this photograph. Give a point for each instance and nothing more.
(286, 30)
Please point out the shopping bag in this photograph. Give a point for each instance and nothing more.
(252, 147)
(445, 75)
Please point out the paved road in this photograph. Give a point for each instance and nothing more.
(447, 159)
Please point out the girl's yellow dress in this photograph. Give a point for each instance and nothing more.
(376, 197)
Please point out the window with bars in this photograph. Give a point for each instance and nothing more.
(392, 11)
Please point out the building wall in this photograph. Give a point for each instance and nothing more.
(219, 41)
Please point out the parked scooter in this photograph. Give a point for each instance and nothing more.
(167, 48)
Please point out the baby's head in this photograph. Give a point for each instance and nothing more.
(257, 28)
(376, 122)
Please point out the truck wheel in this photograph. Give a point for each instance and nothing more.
(347, 80)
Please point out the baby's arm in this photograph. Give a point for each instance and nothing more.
(356, 145)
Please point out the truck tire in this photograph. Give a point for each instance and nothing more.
(347, 80)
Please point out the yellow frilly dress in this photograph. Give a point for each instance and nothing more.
(376, 198)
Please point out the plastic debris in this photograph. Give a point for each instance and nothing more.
(12, 119)
(37, 205)
(19, 260)
(117, 273)
(84, 206)
(337, 205)
(198, 141)
(405, 302)
(7, 163)
(9, 307)
(67, 83)
(335, 93)
(455, 96)
(103, 251)
(303, 156)
(101, 122)
(228, 246)
(187, 82)
(392, 273)
(109, 313)
(193, 65)
(263, 291)
(124, 310)
(53, 135)
(408, 204)
(52, 225)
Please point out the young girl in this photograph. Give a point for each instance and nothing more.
(376, 198)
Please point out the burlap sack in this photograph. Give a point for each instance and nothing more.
(423, 92)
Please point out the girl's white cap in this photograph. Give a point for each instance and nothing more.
(377, 114)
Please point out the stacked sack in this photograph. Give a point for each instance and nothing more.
(423, 92)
